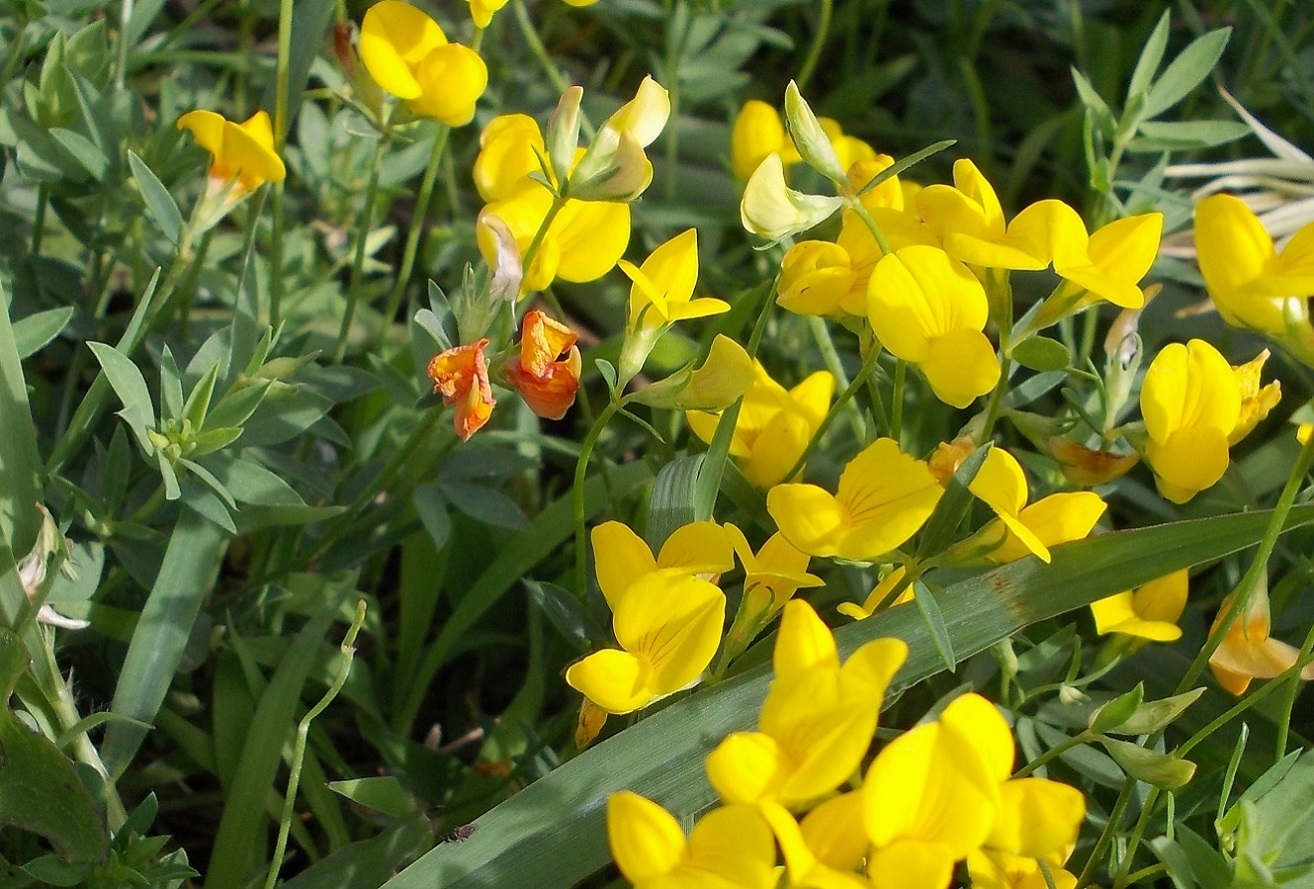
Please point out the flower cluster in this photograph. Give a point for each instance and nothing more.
(938, 794)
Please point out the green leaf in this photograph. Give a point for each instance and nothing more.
(707, 484)
(1192, 861)
(1185, 72)
(905, 163)
(1042, 354)
(671, 504)
(1116, 712)
(384, 794)
(249, 482)
(608, 372)
(564, 611)
(1280, 831)
(310, 25)
(39, 789)
(198, 400)
(933, 619)
(84, 151)
(1160, 769)
(1158, 136)
(515, 560)
(257, 770)
(128, 383)
(1154, 716)
(662, 756)
(20, 465)
(1151, 56)
(952, 508)
(1097, 110)
(485, 504)
(31, 334)
(191, 562)
(159, 202)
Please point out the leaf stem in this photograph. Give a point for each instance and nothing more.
(417, 228)
(347, 653)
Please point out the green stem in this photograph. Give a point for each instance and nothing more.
(281, 123)
(417, 228)
(996, 400)
(358, 259)
(581, 472)
(347, 653)
(818, 43)
(527, 261)
(830, 356)
(1106, 836)
(39, 219)
(872, 226)
(868, 365)
(125, 16)
(896, 407)
(1248, 582)
(1054, 753)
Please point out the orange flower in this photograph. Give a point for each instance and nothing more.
(547, 372)
(460, 375)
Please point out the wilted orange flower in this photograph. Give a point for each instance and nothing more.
(460, 375)
(546, 374)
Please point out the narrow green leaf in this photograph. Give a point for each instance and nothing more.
(905, 163)
(1185, 72)
(1041, 354)
(1180, 135)
(384, 794)
(707, 482)
(933, 619)
(20, 466)
(671, 504)
(1159, 769)
(546, 532)
(1154, 716)
(953, 507)
(84, 151)
(310, 24)
(1150, 58)
(159, 202)
(31, 334)
(187, 574)
(1116, 712)
(516, 844)
(128, 383)
(275, 719)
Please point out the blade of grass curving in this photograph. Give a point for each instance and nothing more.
(186, 575)
(553, 833)
(546, 532)
(671, 504)
(243, 820)
(20, 465)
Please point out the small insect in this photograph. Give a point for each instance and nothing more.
(458, 834)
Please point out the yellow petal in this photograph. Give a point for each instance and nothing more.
(1232, 245)
(394, 38)
(777, 449)
(698, 548)
(911, 863)
(1037, 817)
(590, 237)
(757, 132)
(646, 840)
(644, 116)
(506, 155)
(960, 366)
(875, 664)
(1058, 518)
(736, 844)
(886, 496)
(1163, 599)
(616, 681)
(620, 558)
(747, 767)
(833, 831)
(451, 78)
(809, 517)
(1000, 483)
(919, 293)
(773, 210)
(803, 642)
(672, 622)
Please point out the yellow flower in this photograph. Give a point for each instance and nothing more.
(757, 132)
(849, 150)
(887, 585)
(1001, 484)
(773, 210)
(662, 292)
(970, 221)
(621, 557)
(1106, 265)
(668, 624)
(1191, 403)
(1149, 612)
(1251, 283)
(1248, 651)
(408, 55)
(481, 11)
(615, 167)
(584, 242)
(816, 722)
(1052, 520)
(729, 847)
(774, 424)
(243, 152)
(777, 570)
(1256, 400)
(931, 797)
(884, 497)
(1038, 821)
(930, 310)
(509, 149)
